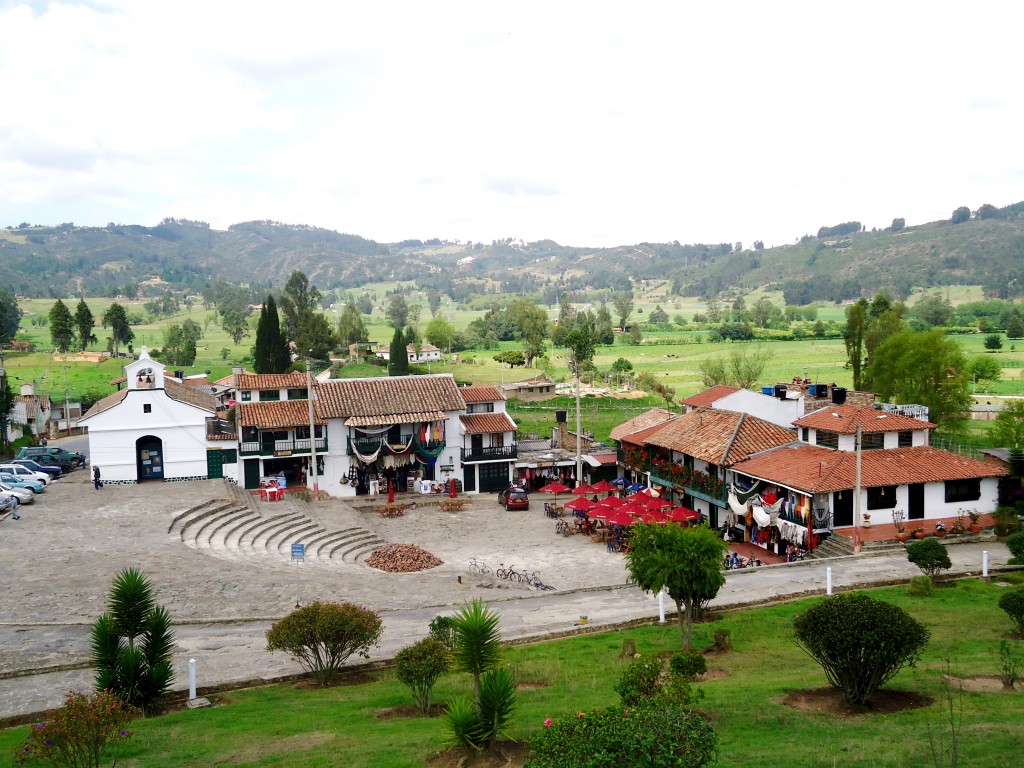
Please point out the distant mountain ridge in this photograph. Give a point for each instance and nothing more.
(68, 260)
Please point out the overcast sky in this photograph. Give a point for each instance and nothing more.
(588, 123)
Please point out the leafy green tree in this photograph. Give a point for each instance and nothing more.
(433, 302)
(10, 315)
(84, 323)
(960, 215)
(321, 636)
(511, 357)
(742, 367)
(636, 335)
(298, 298)
(856, 328)
(235, 324)
(6, 406)
(133, 642)
(419, 666)
(271, 353)
(398, 358)
(440, 333)
(62, 326)
(580, 343)
(351, 327)
(180, 342)
(623, 303)
(604, 329)
(987, 211)
(622, 365)
(687, 562)
(898, 224)
(930, 556)
(993, 342)
(1008, 429)
(658, 316)
(1015, 327)
(923, 367)
(120, 329)
(764, 314)
(984, 370)
(397, 311)
(861, 643)
(531, 326)
(315, 336)
(933, 310)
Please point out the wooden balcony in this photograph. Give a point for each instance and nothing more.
(281, 447)
(499, 453)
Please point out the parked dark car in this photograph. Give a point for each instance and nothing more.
(51, 461)
(74, 458)
(35, 466)
(514, 497)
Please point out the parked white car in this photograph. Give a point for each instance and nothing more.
(6, 502)
(26, 474)
(24, 495)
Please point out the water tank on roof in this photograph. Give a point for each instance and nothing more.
(780, 391)
(819, 390)
(769, 390)
(560, 416)
(838, 395)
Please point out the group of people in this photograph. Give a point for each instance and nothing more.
(734, 562)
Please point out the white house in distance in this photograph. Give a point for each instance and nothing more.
(427, 353)
(155, 429)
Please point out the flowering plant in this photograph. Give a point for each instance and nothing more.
(940, 526)
(80, 733)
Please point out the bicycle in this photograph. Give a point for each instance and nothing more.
(478, 567)
(562, 527)
(510, 573)
(534, 581)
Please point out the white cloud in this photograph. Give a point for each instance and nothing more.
(589, 123)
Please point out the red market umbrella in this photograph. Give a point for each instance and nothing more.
(631, 508)
(583, 490)
(652, 503)
(612, 502)
(649, 492)
(683, 515)
(555, 487)
(654, 517)
(605, 487)
(618, 517)
(581, 505)
(599, 513)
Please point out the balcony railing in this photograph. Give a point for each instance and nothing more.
(281, 447)
(365, 445)
(218, 428)
(719, 500)
(498, 453)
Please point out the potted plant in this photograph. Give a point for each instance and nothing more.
(940, 529)
(1006, 521)
(958, 525)
(975, 516)
(898, 519)
(917, 533)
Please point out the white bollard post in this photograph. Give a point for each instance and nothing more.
(984, 564)
(828, 581)
(661, 606)
(191, 679)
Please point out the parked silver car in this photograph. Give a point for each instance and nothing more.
(24, 495)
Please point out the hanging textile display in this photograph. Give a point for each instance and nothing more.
(743, 496)
(368, 458)
(399, 450)
(372, 431)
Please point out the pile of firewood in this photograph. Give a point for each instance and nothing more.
(402, 558)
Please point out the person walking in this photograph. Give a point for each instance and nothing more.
(96, 477)
(14, 509)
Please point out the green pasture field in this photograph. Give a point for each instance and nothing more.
(745, 699)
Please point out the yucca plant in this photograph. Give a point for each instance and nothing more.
(477, 640)
(497, 702)
(132, 642)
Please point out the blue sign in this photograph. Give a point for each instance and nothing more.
(298, 551)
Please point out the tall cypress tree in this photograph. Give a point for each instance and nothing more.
(271, 353)
(398, 363)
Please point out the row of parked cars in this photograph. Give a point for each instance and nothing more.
(31, 470)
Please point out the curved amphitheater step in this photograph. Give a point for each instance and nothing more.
(233, 529)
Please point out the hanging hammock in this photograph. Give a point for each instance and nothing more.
(399, 450)
(368, 458)
(744, 496)
(373, 431)
(429, 453)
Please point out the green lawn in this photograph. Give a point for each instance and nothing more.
(285, 726)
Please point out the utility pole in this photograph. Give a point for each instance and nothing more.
(3, 398)
(312, 426)
(67, 402)
(579, 426)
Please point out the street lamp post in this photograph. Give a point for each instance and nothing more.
(312, 426)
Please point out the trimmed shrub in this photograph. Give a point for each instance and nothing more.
(921, 586)
(1015, 543)
(639, 682)
(662, 735)
(321, 636)
(81, 734)
(687, 666)
(418, 666)
(442, 628)
(930, 556)
(1010, 662)
(1013, 603)
(860, 643)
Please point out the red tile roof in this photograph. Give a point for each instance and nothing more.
(389, 400)
(644, 421)
(720, 437)
(294, 380)
(276, 414)
(813, 469)
(481, 394)
(706, 398)
(487, 423)
(844, 419)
